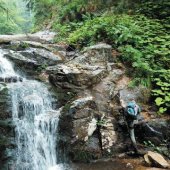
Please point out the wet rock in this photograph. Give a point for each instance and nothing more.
(98, 54)
(42, 56)
(91, 150)
(140, 94)
(84, 138)
(93, 146)
(82, 130)
(108, 134)
(116, 75)
(59, 50)
(83, 113)
(5, 103)
(12, 79)
(7, 136)
(81, 103)
(37, 56)
(75, 76)
(85, 123)
(83, 70)
(87, 111)
(33, 59)
(155, 159)
(155, 131)
(22, 62)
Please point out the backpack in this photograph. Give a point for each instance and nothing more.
(130, 110)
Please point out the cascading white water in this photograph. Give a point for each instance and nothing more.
(6, 68)
(36, 125)
(35, 120)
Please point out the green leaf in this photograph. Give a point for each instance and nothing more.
(162, 110)
(167, 98)
(159, 101)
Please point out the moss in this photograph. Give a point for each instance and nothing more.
(66, 107)
(19, 46)
(82, 156)
(65, 98)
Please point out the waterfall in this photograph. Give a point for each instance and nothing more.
(6, 68)
(35, 122)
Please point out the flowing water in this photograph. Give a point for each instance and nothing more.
(6, 68)
(35, 120)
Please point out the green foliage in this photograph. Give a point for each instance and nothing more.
(162, 91)
(65, 29)
(155, 8)
(153, 146)
(42, 67)
(160, 149)
(14, 17)
(65, 11)
(101, 122)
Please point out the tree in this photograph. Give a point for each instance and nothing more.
(14, 17)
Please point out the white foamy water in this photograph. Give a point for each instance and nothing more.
(6, 68)
(35, 120)
(36, 125)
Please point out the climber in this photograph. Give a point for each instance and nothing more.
(132, 116)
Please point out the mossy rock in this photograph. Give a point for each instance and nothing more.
(82, 156)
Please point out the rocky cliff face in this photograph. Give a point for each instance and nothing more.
(7, 136)
(88, 87)
(91, 121)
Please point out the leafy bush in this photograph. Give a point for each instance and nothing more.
(155, 8)
(162, 91)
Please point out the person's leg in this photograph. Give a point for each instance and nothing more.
(132, 135)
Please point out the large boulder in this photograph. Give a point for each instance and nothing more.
(84, 70)
(42, 56)
(33, 59)
(83, 131)
(75, 76)
(98, 54)
(93, 129)
(156, 131)
(141, 94)
(156, 159)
